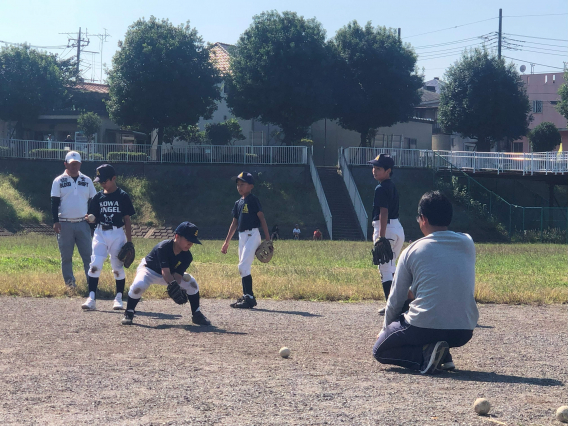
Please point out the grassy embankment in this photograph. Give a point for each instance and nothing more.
(329, 270)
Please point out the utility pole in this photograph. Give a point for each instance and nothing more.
(399, 34)
(500, 33)
(79, 50)
(79, 43)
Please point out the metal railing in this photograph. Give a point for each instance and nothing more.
(500, 162)
(321, 197)
(134, 153)
(354, 193)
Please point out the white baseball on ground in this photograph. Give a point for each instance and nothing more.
(91, 218)
(186, 276)
(481, 406)
(284, 352)
(562, 414)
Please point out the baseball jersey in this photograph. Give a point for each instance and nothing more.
(246, 212)
(386, 196)
(110, 209)
(74, 195)
(162, 256)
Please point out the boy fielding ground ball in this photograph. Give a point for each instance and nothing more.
(247, 218)
(168, 262)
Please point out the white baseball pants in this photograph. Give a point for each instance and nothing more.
(145, 277)
(248, 243)
(395, 233)
(107, 243)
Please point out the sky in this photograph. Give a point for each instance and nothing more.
(438, 30)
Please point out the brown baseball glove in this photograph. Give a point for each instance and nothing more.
(265, 251)
(127, 254)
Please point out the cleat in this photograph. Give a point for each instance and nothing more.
(381, 312)
(117, 305)
(433, 354)
(128, 317)
(448, 366)
(200, 319)
(244, 303)
(70, 284)
(89, 305)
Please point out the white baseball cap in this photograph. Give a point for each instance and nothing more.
(72, 156)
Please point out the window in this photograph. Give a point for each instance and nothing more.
(517, 147)
(410, 143)
(537, 106)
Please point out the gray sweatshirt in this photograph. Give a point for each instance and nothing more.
(439, 269)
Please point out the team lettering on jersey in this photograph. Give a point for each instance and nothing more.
(245, 208)
(109, 207)
(177, 264)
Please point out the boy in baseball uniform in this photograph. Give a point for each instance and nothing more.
(247, 219)
(385, 217)
(167, 262)
(112, 209)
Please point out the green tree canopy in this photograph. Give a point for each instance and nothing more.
(162, 77)
(89, 123)
(278, 73)
(563, 92)
(374, 81)
(224, 133)
(484, 99)
(31, 82)
(544, 137)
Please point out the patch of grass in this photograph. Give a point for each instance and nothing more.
(306, 270)
(15, 208)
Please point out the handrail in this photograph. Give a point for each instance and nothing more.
(321, 197)
(360, 211)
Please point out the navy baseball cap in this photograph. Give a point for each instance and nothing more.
(383, 160)
(245, 177)
(188, 231)
(104, 172)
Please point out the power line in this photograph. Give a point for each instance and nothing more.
(461, 48)
(451, 28)
(543, 53)
(534, 42)
(449, 42)
(540, 38)
(523, 16)
(35, 47)
(530, 62)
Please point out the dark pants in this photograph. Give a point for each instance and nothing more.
(402, 344)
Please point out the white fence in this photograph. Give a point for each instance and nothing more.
(500, 162)
(134, 153)
(354, 194)
(321, 197)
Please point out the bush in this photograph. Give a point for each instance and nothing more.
(5, 151)
(127, 156)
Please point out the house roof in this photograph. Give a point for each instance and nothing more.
(93, 87)
(436, 84)
(428, 97)
(220, 55)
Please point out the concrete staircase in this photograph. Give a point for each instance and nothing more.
(345, 223)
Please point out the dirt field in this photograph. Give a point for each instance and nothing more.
(62, 366)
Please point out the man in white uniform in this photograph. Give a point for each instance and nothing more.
(70, 195)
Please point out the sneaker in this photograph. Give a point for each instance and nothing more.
(244, 303)
(448, 366)
(200, 319)
(381, 312)
(89, 304)
(433, 354)
(128, 317)
(117, 305)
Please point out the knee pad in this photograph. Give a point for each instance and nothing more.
(117, 268)
(96, 266)
(136, 290)
(191, 287)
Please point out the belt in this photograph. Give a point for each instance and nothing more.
(108, 227)
(80, 219)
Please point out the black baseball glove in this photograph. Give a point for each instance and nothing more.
(126, 254)
(177, 293)
(382, 251)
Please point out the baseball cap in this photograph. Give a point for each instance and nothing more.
(245, 177)
(104, 172)
(188, 231)
(383, 160)
(72, 156)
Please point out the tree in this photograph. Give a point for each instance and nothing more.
(563, 92)
(278, 73)
(224, 133)
(189, 133)
(375, 83)
(162, 77)
(484, 99)
(544, 137)
(89, 123)
(31, 82)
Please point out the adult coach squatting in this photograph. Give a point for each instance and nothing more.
(168, 262)
(112, 209)
(247, 218)
(71, 193)
(385, 217)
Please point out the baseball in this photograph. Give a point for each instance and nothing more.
(562, 414)
(186, 276)
(284, 352)
(481, 406)
(91, 218)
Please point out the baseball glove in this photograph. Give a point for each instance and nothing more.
(382, 251)
(177, 293)
(265, 251)
(126, 254)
